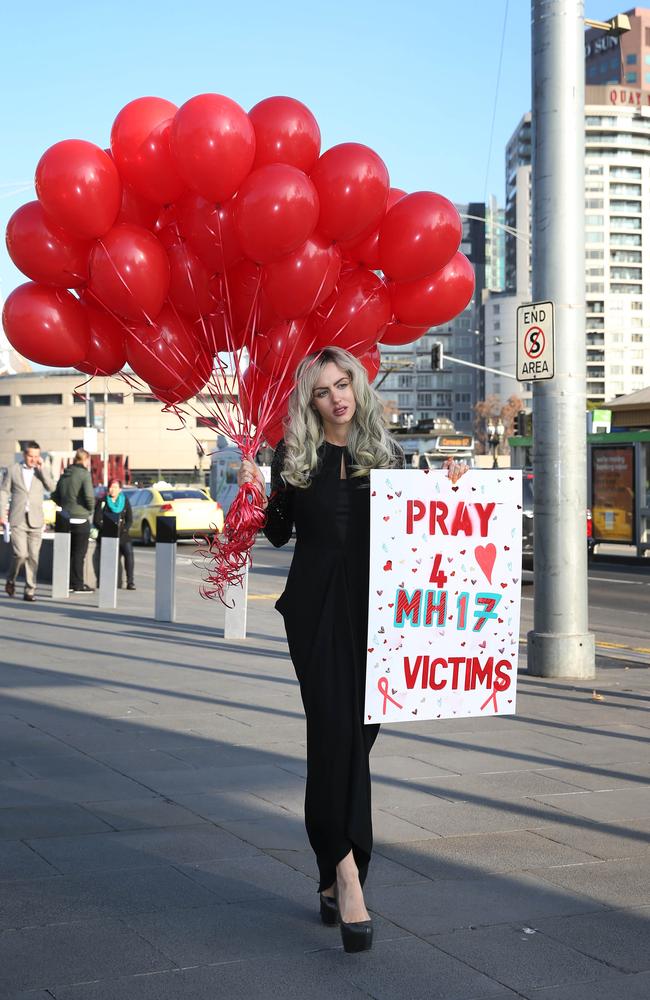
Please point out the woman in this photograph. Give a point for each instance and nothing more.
(335, 434)
(116, 505)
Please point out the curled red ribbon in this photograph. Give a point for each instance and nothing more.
(382, 684)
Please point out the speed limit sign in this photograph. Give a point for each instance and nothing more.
(535, 342)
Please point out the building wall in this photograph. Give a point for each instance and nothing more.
(617, 255)
(43, 406)
(624, 59)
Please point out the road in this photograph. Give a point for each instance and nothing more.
(619, 596)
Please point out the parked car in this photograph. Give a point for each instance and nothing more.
(195, 514)
(528, 480)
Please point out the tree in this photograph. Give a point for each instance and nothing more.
(492, 410)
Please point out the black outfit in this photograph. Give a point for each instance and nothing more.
(74, 494)
(325, 611)
(126, 547)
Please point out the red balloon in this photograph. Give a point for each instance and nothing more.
(285, 132)
(210, 231)
(276, 209)
(189, 386)
(140, 145)
(106, 353)
(189, 286)
(365, 250)
(296, 284)
(211, 331)
(263, 399)
(137, 210)
(354, 316)
(43, 251)
(247, 309)
(129, 272)
(275, 431)
(47, 325)
(79, 187)
(371, 361)
(213, 145)
(438, 297)
(419, 235)
(166, 352)
(352, 184)
(397, 333)
(279, 351)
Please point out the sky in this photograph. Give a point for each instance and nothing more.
(416, 81)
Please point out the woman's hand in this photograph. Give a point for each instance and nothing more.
(248, 472)
(455, 469)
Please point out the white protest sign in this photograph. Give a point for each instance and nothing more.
(445, 594)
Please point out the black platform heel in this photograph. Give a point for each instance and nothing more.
(329, 910)
(357, 936)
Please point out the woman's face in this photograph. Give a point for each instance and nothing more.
(333, 398)
(113, 490)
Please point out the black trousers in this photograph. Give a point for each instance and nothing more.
(125, 553)
(79, 536)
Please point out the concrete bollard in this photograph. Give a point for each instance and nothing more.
(61, 558)
(109, 561)
(165, 581)
(236, 609)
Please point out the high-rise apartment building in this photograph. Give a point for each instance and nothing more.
(617, 250)
(622, 58)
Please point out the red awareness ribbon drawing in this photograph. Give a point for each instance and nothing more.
(382, 684)
(492, 697)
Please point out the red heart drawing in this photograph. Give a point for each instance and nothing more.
(371, 649)
(392, 605)
(388, 565)
(387, 517)
(482, 645)
(506, 548)
(485, 556)
(463, 551)
(504, 585)
(388, 496)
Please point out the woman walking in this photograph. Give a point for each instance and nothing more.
(116, 505)
(334, 436)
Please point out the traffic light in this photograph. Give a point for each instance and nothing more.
(521, 424)
(437, 356)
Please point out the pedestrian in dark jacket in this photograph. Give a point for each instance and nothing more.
(116, 505)
(74, 494)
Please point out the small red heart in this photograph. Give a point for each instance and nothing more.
(374, 494)
(371, 649)
(392, 605)
(482, 645)
(414, 570)
(426, 471)
(500, 621)
(388, 565)
(507, 548)
(387, 517)
(414, 548)
(504, 585)
(370, 716)
(463, 551)
(388, 496)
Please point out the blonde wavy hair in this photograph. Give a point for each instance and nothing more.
(369, 443)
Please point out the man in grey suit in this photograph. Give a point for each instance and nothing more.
(24, 484)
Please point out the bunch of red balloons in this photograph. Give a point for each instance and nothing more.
(205, 230)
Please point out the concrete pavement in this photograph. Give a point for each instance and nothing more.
(151, 835)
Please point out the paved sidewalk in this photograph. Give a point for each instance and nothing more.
(152, 844)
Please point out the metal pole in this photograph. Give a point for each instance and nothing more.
(560, 644)
(234, 626)
(108, 562)
(61, 559)
(165, 582)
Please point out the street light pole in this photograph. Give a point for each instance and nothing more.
(560, 644)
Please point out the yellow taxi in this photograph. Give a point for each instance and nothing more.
(195, 512)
